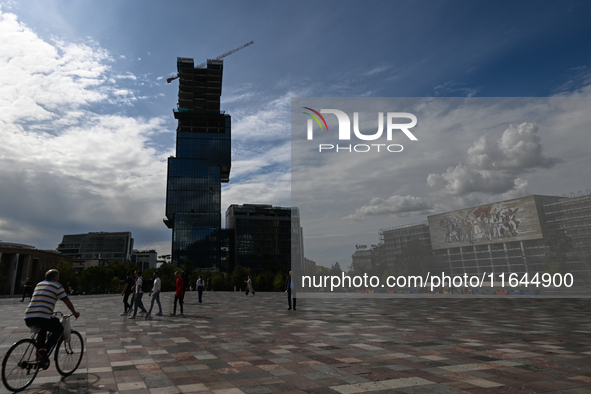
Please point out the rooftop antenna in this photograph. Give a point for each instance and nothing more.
(169, 80)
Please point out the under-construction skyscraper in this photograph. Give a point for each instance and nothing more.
(201, 164)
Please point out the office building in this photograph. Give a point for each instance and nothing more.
(145, 259)
(266, 234)
(573, 216)
(18, 261)
(362, 258)
(164, 259)
(195, 174)
(99, 246)
(393, 239)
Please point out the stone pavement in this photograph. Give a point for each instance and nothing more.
(234, 344)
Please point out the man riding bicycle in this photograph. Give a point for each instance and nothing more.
(39, 313)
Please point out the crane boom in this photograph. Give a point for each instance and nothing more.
(169, 80)
(226, 54)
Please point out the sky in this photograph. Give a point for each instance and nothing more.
(86, 122)
(464, 152)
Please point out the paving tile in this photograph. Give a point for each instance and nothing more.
(332, 345)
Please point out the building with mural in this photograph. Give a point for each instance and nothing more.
(509, 236)
(506, 236)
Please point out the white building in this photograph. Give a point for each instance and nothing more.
(145, 259)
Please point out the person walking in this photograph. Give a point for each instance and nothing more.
(208, 286)
(249, 286)
(127, 290)
(155, 293)
(290, 290)
(199, 286)
(39, 313)
(179, 293)
(139, 281)
(28, 289)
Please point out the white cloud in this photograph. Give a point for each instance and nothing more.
(377, 70)
(127, 75)
(454, 88)
(268, 121)
(65, 165)
(270, 188)
(518, 149)
(493, 167)
(469, 151)
(396, 206)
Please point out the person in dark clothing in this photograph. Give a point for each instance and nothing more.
(139, 292)
(199, 286)
(290, 290)
(28, 289)
(127, 290)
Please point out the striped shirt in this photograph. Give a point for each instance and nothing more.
(44, 298)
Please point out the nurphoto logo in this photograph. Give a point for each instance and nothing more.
(345, 130)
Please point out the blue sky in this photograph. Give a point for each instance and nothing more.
(86, 115)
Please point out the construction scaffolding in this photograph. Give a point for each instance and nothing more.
(572, 214)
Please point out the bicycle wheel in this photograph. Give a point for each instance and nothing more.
(69, 354)
(20, 365)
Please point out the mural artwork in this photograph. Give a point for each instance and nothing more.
(513, 220)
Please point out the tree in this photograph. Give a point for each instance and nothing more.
(166, 273)
(187, 272)
(355, 269)
(336, 270)
(377, 269)
(272, 267)
(120, 270)
(115, 285)
(239, 275)
(95, 280)
(219, 281)
(413, 259)
(147, 279)
(279, 282)
(67, 273)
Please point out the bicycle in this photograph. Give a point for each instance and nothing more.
(21, 365)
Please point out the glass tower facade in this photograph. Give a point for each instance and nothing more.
(265, 234)
(201, 164)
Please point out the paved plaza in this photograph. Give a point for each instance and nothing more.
(235, 344)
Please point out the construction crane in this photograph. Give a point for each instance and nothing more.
(169, 80)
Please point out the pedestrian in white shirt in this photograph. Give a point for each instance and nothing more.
(199, 285)
(155, 293)
(138, 294)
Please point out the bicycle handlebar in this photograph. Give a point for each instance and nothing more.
(58, 313)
